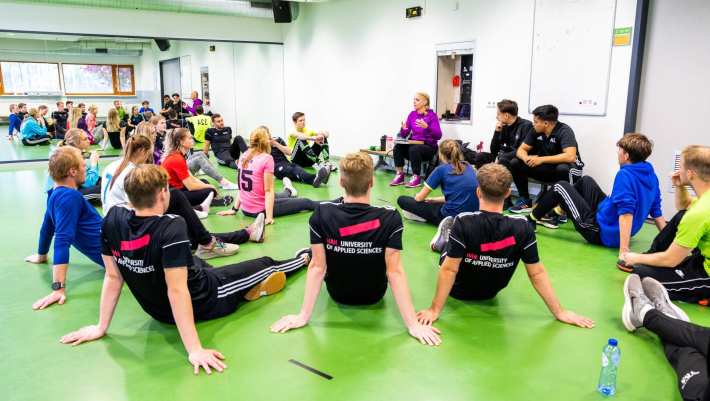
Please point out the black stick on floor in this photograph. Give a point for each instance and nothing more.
(312, 370)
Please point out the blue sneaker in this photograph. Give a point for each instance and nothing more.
(521, 206)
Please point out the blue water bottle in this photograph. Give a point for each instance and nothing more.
(610, 366)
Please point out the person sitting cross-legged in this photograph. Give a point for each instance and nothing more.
(484, 249)
(150, 252)
(356, 251)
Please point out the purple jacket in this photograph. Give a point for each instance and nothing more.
(429, 135)
(195, 103)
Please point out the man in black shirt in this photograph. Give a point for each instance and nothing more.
(150, 251)
(219, 138)
(283, 168)
(510, 132)
(548, 154)
(356, 250)
(484, 249)
(60, 117)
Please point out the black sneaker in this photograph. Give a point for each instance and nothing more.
(551, 220)
(304, 251)
(321, 177)
(225, 201)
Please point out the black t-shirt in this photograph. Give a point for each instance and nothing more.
(220, 139)
(277, 154)
(510, 136)
(60, 117)
(355, 236)
(562, 137)
(143, 247)
(490, 246)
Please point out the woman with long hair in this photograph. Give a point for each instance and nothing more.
(256, 183)
(139, 149)
(160, 131)
(115, 129)
(198, 192)
(458, 182)
(33, 132)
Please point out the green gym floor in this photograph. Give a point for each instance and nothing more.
(509, 348)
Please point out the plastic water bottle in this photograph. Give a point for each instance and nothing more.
(610, 366)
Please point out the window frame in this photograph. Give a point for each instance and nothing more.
(59, 76)
(62, 87)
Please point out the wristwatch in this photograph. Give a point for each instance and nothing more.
(58, 285)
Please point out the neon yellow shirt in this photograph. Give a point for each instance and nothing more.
(694, 228)
(292, 138)
(201, 123)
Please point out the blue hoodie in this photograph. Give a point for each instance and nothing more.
(15, 123)
(635, 192)
(32, 129)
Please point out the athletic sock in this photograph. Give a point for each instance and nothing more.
(205, 205)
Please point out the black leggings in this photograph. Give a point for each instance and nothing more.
(431, 212)
(686, 347)
(38, 140)
(687, 282)
(92, 193)
(416, 154)
(545, 173)
(286, 206)
(580, 201)
(294, 172)
(238, 147)
(235, 280)
(197, 196)
(115, 139)
(306, 155)
(196, 231)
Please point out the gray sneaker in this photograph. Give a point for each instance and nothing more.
(636, 303)
(658, 295)
(438, 243)
(218, 250)
(257, 229)
(322, 176)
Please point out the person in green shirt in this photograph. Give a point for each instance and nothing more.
(119, 108)
(199, 124)
(308, 147)
(679, 257)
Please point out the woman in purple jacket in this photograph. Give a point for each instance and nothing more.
(422, 125)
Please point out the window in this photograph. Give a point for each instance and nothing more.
(98, 79)
(18, 78)
(454, 77)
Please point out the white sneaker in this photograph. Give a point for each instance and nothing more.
(200, 214)
(411, 216)
(230, 186)
(288, 185)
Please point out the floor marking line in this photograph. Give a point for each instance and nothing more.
(310, 369)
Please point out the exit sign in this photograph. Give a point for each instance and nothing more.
(413, 12)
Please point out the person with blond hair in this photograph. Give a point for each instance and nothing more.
(33, 133)
(256, 183)
(69, 220)
(421, 125)
(356, 251)
(457, 180)
(679, 256)
(91, 187)
(484, 249)
(149, 251)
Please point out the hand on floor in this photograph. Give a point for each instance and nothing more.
(427, 317)
(427, 335)
(207, 359)
(287, 323)
(36, 259)
(574, 319)
(229, 212)
(58, 297)
(83, 335)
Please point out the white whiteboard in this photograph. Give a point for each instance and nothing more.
(571, 55)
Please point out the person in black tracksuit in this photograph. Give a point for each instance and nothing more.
(549, 153)
(219, 138)
(284, 168)
(150, 252)
(60, 117)
(510, 132)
